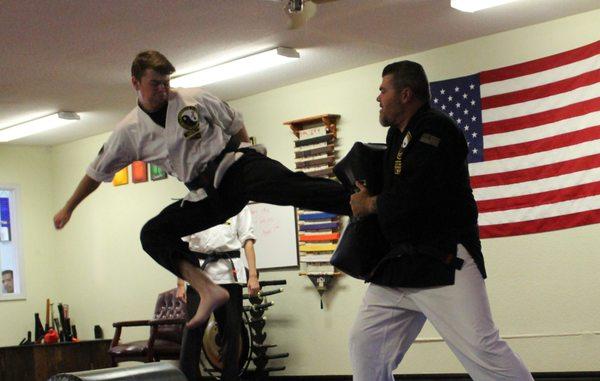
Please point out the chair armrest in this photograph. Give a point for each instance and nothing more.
(157, 322)
(119, 327)
(131, 323)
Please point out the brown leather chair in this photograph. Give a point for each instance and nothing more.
(166, 330)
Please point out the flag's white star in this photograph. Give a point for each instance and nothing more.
(475, 151)
(474, 135)
(467, 127)
(450, 98)
(458, 120)
(471, 86)
(435, 100)
(456, 89)
(443, 107)
(473, 118)
(465, 95)
(442, 91)
(457, 105)
(466, 111)
(451, 113)
(472, 103)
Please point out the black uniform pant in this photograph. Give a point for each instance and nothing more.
(229, 322)
(253, 177)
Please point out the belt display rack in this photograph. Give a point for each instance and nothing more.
(318, 232)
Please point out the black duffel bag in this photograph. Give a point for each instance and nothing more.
(362, 244)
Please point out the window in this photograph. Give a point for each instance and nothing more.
(10, 249)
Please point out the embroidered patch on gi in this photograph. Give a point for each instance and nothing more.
(406, 140)
(398, 161)
(189, 119)
(430, 139)
(398, 164)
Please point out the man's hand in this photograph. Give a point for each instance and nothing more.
(253, 285)
(180, 294)
(62, 217)
(361, 202)
(86, 186)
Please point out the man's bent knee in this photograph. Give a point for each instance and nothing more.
(148, 235)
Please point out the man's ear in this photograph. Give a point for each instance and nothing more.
(406, 95)
(135, 83)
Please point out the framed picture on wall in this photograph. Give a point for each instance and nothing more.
(121, 177)
(4, 219)
(139, 172)
(13, 284)
(156, 173)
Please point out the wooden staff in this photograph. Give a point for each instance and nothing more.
(47, 326)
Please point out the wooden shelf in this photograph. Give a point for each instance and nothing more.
(328, 120)
(328, 149)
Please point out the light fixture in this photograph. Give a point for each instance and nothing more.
(236, 68)
(476, 5)
(36, 126)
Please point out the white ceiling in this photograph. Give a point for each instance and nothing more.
(75, 55)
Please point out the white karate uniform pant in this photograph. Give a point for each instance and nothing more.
(390, 319)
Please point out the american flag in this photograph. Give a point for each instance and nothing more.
(533, 131)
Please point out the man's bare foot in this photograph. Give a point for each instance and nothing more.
(211, 298)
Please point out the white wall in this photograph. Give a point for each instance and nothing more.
(29, 168)
(538, 284)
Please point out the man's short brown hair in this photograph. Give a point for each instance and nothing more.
(151, 59)
(409, 74)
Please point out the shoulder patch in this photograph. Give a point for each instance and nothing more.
(430, 139)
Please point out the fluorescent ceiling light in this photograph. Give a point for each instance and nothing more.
(236, 68)
(36, 126)
(476, 5)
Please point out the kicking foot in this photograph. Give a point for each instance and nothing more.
(211, 298)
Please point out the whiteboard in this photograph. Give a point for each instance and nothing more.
(276, 235)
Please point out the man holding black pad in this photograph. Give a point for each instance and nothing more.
(434, 269)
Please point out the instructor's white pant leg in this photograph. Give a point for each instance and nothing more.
(461, 314)
(382, 333)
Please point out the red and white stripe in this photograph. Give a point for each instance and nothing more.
(541, 124)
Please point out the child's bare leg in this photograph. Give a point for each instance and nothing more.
(212, 296)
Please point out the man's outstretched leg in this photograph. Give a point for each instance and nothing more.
(212, 296)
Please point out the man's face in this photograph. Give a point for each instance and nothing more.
(391, 103)
(7, 283)
(153, 89)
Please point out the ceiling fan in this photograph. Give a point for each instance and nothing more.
(300, 11)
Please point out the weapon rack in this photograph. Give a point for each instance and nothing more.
(254, 361)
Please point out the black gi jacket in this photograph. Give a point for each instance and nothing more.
(427, 206)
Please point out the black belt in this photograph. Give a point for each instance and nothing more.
(206, 177)
(213, 257)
